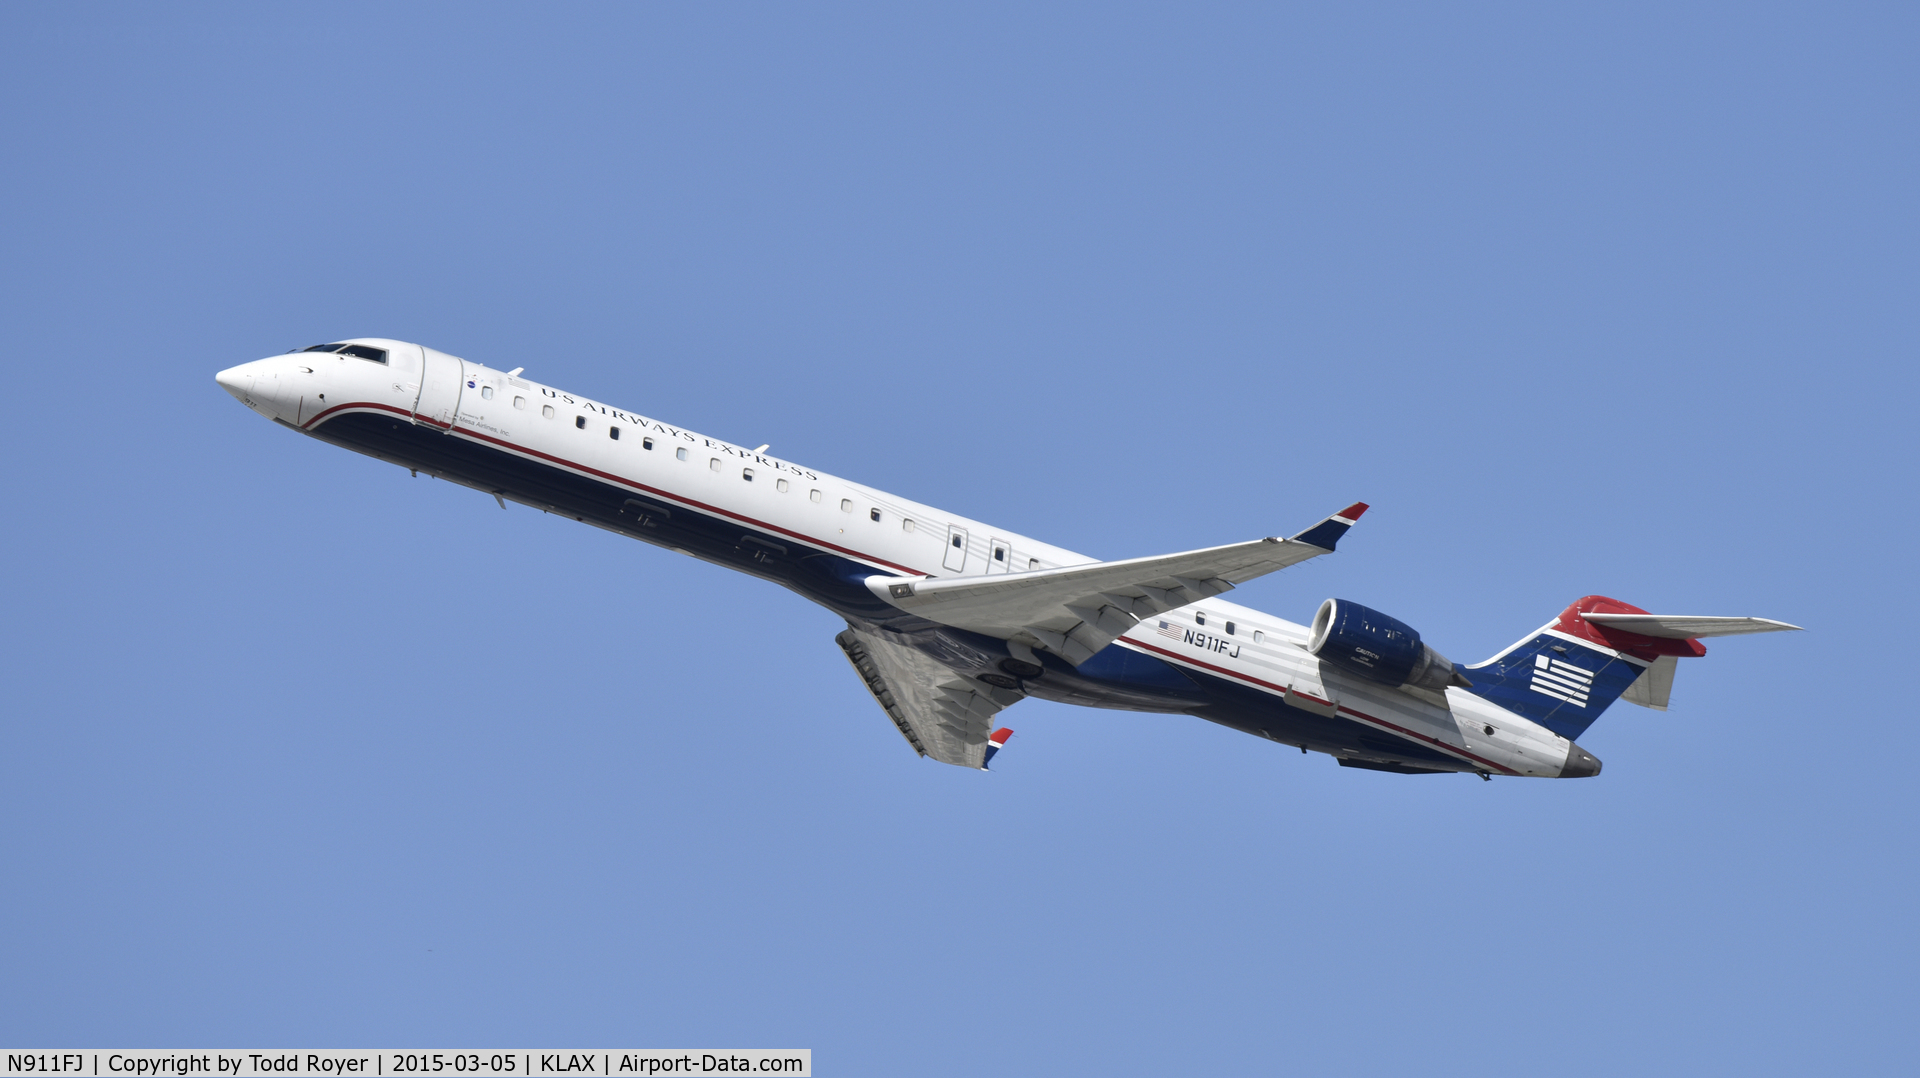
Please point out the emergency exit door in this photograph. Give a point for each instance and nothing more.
(999, 555)
(956, 559)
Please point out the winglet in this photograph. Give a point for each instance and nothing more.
(996, 742)
(1328, 532)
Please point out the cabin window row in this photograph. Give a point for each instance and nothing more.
(747, 475)
(715, 464)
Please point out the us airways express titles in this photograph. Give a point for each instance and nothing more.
(951, 620)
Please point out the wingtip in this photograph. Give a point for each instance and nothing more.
(1327, 533)
(995, 742)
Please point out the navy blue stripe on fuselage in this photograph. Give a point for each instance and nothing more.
(825, 576)
(1114, 678)
(1380, 735)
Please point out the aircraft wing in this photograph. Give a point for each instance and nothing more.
(941, 713)
(1075, 610)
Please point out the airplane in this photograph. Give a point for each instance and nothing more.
(951, 620)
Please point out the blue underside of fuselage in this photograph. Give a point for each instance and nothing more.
(1116, 678)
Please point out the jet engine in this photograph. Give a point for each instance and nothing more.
(1379, 648)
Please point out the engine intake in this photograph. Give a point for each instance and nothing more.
(1366, 642)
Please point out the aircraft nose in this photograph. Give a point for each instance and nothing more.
(236, 380)
(1580, 764)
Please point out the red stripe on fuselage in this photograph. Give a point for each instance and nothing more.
(360, 404)
(1415, 735)
(609, 476)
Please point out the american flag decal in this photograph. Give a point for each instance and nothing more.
(1168, 631)
(1561, 679)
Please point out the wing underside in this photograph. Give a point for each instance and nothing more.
(941, 712)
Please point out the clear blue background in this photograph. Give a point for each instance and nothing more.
(301, 751)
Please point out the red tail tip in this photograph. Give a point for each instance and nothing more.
(1352, 512)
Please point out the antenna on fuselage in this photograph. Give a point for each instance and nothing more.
(515, 373)
(763, 448)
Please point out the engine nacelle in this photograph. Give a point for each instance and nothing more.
(1376, 647)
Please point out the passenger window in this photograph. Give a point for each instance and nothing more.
(814, 497)
(1033, 563)
(580, 422)
(1229, 628)
(1259, 637)
(906, 525)
(546, 410)
(713, 464)
(1199, 618)
(999, 553)
(846, 505)
(957, 540)
(486, 393)
(873, 515)
(614, 433)
(520, 403)
(780, 485)
(646, 443)
(680, 453)
(747, 474)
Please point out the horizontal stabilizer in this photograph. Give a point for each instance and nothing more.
(1685, 627)
(1076, 610)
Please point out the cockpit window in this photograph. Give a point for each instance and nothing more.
(378, 355)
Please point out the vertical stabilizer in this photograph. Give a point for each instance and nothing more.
(1564, 674)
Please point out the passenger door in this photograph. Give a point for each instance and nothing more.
(440, 385)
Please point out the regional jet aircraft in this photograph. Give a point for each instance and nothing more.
(952, 620)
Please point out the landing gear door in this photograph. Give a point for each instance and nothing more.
(440, 384)
(956, 549)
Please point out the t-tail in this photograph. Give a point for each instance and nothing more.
(1597, 651)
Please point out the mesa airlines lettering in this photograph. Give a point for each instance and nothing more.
(951, 621)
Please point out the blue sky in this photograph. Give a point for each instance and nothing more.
(1608, 298)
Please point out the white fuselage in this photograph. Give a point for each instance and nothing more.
(783, 503)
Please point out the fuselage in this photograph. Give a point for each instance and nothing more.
(823, 536)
